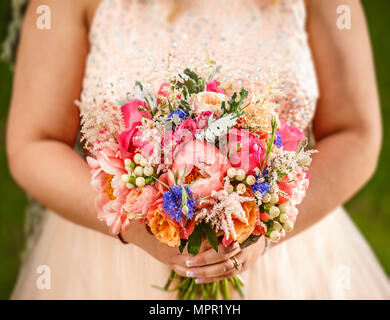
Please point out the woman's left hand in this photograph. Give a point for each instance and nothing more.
(210, 266)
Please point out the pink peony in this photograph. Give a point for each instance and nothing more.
(207, 101)
(295, 187)
(131, 114)
(290, 136)
(106, 179)
(245, 150)
(211, 163)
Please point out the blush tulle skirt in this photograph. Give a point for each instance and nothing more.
(331, 260)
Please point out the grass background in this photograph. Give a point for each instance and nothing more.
(370, 208)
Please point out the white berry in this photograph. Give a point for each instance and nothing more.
(275, 236)
(240, 175)
(284, 207)
(274, 198)
(137, 158)
(139, 171)
(148, 171)
(125, 177)
(231, 173)
(288, 226)
(274, 211)
(277, 226)
(127, 162)
(143, 162)
(266, 198)
(241, 188)
(283, 218)
(140, 181)
(250, 180)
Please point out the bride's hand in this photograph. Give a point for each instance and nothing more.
(139, 236)
(210, 266)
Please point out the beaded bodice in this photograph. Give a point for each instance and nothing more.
(254, 41)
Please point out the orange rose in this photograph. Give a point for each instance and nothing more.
(164, 229)
(252, 211)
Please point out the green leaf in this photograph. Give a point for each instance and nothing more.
(195, 240)
(211, 236)
(252, 239)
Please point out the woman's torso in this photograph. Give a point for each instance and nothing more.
(254, 41)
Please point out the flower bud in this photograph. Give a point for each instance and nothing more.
(274, 198)
(148, 171)
(277, 226)
(250, 180)
(125, 177)
(184, 210)
(274, 211)
(137, 158)
(231, 173)
(288, 226)
(240, 175)
(283, 218)
(229, 188)
(275, 236)
(284, 207)
(139, 171)
(241, 188)
(140, 181)
(127, 162)
(266, 198)
(143, 162)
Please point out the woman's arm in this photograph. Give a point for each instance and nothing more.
(347, 126)
(44, 121)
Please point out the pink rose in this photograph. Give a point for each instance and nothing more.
(245, 150)
(213, 87)
(208, 101)
(131, 114)
(139, 201)
(202, 120)
(290, 136)
(129, 141)
(174, 141)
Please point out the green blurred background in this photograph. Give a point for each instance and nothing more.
(370, 208)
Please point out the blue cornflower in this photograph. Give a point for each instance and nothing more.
(181, 114)
(278, 140)
(173, 203)
(263, 188)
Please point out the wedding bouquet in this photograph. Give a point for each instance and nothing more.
(198, 162)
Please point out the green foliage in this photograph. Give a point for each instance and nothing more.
(235, 104)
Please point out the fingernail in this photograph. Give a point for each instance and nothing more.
(189, 263)
(190, 273)
(197, 281)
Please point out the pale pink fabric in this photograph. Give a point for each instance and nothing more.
(255, 43)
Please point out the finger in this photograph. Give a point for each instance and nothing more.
(211, 257)
(215, 270)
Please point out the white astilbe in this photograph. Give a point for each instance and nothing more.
(99, 125)
(217, 128)
(222, 207)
